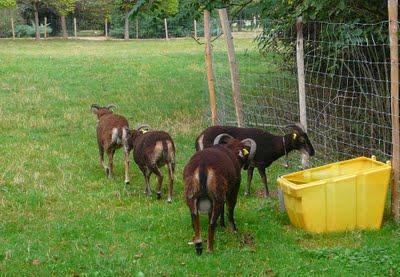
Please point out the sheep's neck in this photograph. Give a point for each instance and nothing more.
(134, 137)
(285, 146)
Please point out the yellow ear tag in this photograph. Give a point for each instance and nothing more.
(144, 131)
(294, 136)
(245, 152)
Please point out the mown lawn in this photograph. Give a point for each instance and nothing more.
(59, 215)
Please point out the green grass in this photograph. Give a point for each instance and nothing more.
(59, 215)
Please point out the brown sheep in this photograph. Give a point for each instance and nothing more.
(270, 147)
(152, 150)
(112, 134)
(212, 176)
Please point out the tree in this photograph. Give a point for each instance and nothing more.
(7, 11)
(63, 8)
(35, 5)
(126, 6)
(132, 8)
(96, 10)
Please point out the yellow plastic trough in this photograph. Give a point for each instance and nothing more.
(339, 196)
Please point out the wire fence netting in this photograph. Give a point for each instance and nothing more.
(347, 85)
(347, 77)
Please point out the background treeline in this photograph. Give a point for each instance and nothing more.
(124, 16)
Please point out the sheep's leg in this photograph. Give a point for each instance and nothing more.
(222, 219)
(196, 227)
(261, 170)
(216, 210)
(126, 163)
(231, 203)
(171, 169)
(110, 162)
(158, 173)
(250, 171)
(147, 189)
(101, 154)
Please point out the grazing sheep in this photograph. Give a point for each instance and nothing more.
(152, 150)
(212, 176)
(112, 133)
(269, 147)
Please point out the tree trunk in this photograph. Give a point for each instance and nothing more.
(64, 27)
(126, 36)
(36, 8)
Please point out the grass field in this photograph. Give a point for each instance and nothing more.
(59, 215)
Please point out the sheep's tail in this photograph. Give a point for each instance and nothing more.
(204, 202)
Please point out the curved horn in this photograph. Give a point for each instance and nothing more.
(253, 147)
(142, 126)
(219, 137)
(296, 126)
(110, 106)
(301, 126)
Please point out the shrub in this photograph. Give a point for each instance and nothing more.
(117, 33)
(26, 31)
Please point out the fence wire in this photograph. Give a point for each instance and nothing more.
(347, 76)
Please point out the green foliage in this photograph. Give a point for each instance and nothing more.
(7, 3)
(63, 7)
(25, 31)
(96, 8)
(169, 7)
(360, 11)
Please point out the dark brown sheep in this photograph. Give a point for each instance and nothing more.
(269, 147)
(151, 151)
(112, 134)
(212, 176)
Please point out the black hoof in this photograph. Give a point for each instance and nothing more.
(199, 248)
(108, 172)
(158, 195)
(126, 182)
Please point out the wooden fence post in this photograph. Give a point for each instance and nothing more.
(195, 29)
(75, 27)
(12, 27)
(166, 29)
(394, 89)
(45, 27)
(301, 81)
(209, 66)
(137, 27)
(223, 16)
(106, 26)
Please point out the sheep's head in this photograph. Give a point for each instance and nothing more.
(137, 132)
(143, 128)
(245, 149)
(300, 140)
(100, 111)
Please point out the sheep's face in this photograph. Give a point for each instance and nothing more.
(301, 142)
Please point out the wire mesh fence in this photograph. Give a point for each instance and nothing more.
(347, 78)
